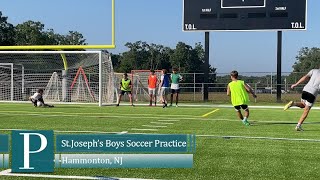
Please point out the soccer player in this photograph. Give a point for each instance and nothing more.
(152, 85)
(308, 96)
(37, 99)
(175, 79)
(238, 90)
(165, 85)
(125, 87)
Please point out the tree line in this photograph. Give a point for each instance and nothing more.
(34, 33)
(140, 54)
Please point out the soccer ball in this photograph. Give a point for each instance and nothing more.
(39, 104)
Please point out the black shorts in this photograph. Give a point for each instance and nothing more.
(173, 91)
(125, 92)
(308, 97)
(243, 106)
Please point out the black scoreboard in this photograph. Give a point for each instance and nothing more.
(244, 15)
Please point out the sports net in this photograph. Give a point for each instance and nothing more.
(140, 84)
(65, 76)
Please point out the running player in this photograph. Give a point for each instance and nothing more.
(238, 90)
(308, 96)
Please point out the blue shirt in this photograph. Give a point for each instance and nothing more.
(166, 80)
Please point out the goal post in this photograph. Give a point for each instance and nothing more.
(23, 72)
(6, 79)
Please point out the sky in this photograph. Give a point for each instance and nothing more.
(160, 22)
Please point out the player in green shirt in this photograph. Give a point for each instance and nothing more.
(125, 87)
(175, 89)
(238, 90)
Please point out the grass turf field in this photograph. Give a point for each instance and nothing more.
(256, 152)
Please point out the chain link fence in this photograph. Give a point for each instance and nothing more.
(263, 83)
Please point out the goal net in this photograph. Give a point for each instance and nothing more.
(65, 76)
(140, 84)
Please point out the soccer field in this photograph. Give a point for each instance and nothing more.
(226, 149)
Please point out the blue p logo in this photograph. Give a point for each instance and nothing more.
(32, 151)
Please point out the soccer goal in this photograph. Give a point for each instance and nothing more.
(65, 76)
(140, 84)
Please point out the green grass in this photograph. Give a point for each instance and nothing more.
(216, 157)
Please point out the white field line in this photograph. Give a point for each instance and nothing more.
(58, 131)
(161, 123)
(8, 173)
(66, 113)
(107, 116)
(136, 129)
(169, 120)
(263, 138)
(152, 117)
(5, 103)
(154, 126)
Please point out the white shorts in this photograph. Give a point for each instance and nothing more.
(174, 86)
(152, 91)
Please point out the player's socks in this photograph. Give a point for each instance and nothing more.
(245, 121)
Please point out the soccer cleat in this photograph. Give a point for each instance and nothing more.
(117, 105)
(170, 105)
(132, 105)
(164, 105)
(245, 122)
(299, 128)
(287, 106)
(177, 105)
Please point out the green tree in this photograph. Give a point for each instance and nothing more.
(181, 56)
(30, 33)
(6, 31)
(136, 57)
(72, 38)
(33, 33)
(308, 58)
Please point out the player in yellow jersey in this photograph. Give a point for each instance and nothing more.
(125, 87)
(238, 90)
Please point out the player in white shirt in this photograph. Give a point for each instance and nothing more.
(37, 99)
(308, 96)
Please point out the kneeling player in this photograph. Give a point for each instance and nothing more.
(37, 99)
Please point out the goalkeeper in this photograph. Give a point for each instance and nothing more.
(37, 99)
(125, 87)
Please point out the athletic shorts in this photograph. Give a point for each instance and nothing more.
(307, 98)
(35, 102)
(164, 91)
(243, 106)
(152, 91)
(125, 92)
(173, 91)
